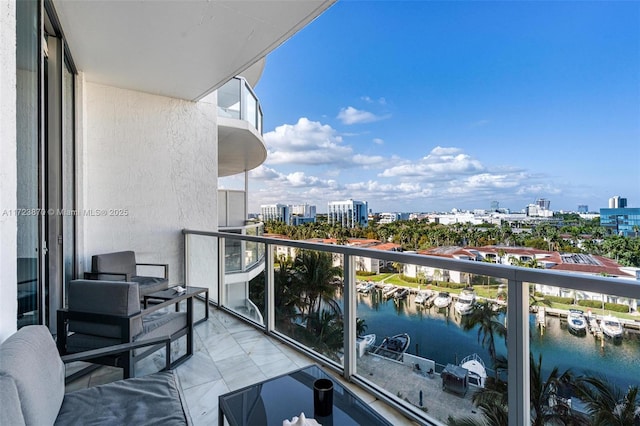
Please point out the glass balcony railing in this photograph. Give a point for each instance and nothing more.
(236, 99)
(441, 339)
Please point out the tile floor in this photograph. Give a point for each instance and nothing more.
(229, 354)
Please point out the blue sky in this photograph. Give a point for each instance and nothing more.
(428, 106)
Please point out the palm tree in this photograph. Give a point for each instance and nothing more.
(361, 326)
(485, 316)
(546, 407)
(607, 404)
(314, 272)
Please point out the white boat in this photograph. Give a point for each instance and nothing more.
(389, 291)
(442, 300)
(393, 347)
(369, 287)
(576, 322)
(465, 303)
(365, 287)
(363, 345)
(422, 297)
(367, 340)
(477, 371)
(401, 293)
(611, 327)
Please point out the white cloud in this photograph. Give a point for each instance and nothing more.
(369, 100)
(368, 160)
(296, 179)
(446, 177)
(378, 141)
(440, 163)
(311, 143)
(351, 115)
(535, 189)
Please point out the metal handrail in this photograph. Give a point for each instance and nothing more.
(596, 284)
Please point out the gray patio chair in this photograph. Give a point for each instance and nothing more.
(106, 313)
(122, 265)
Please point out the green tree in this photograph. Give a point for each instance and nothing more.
(607, 404)
(314, 272)
(485, 316)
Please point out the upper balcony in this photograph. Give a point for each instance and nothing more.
(240, 144)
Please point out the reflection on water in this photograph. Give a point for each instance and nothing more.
(436, 334)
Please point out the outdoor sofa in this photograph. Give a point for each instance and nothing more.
(32, 388)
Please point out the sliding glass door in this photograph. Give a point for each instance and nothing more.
(45, 164)
(28, 214)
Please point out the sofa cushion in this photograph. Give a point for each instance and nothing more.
(151, 400)
(11, 412)
(123, 262)
(148, 285)
(30, 359)
(118, 298)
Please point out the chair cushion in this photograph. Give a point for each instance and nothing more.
(148, 285)
(151, 400)
(158, 324)
(118, 298)
(30, 359)
(123, 262)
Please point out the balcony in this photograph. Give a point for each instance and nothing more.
(243, 262)
(285, 296)
(229, 355)
(240, 143)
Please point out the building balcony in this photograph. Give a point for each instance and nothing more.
(313, 311)
(240, 144)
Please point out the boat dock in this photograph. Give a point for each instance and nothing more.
(627, 324)
(403, 381)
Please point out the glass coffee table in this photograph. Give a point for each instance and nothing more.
(171, 293)
(283, 397)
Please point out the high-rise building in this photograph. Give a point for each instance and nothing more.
(303, 210)
(543, 203)
(617, 202)
(348, 213)
(621, 221)
(495, 206)
(277, 212)
(583, 208)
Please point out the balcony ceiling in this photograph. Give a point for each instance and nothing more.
(240, 147)
(181, 49)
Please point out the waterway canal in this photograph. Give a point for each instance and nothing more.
(437, 335)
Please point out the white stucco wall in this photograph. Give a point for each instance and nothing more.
(8, 224)
(150, 164)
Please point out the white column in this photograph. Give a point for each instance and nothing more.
(519, 386)
(349, 281)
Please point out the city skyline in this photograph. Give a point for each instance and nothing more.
(430, 106)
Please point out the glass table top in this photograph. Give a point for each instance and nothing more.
(281, 398)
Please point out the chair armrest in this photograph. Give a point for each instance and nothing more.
(124, 347)
(162, 265)
(99, 276)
